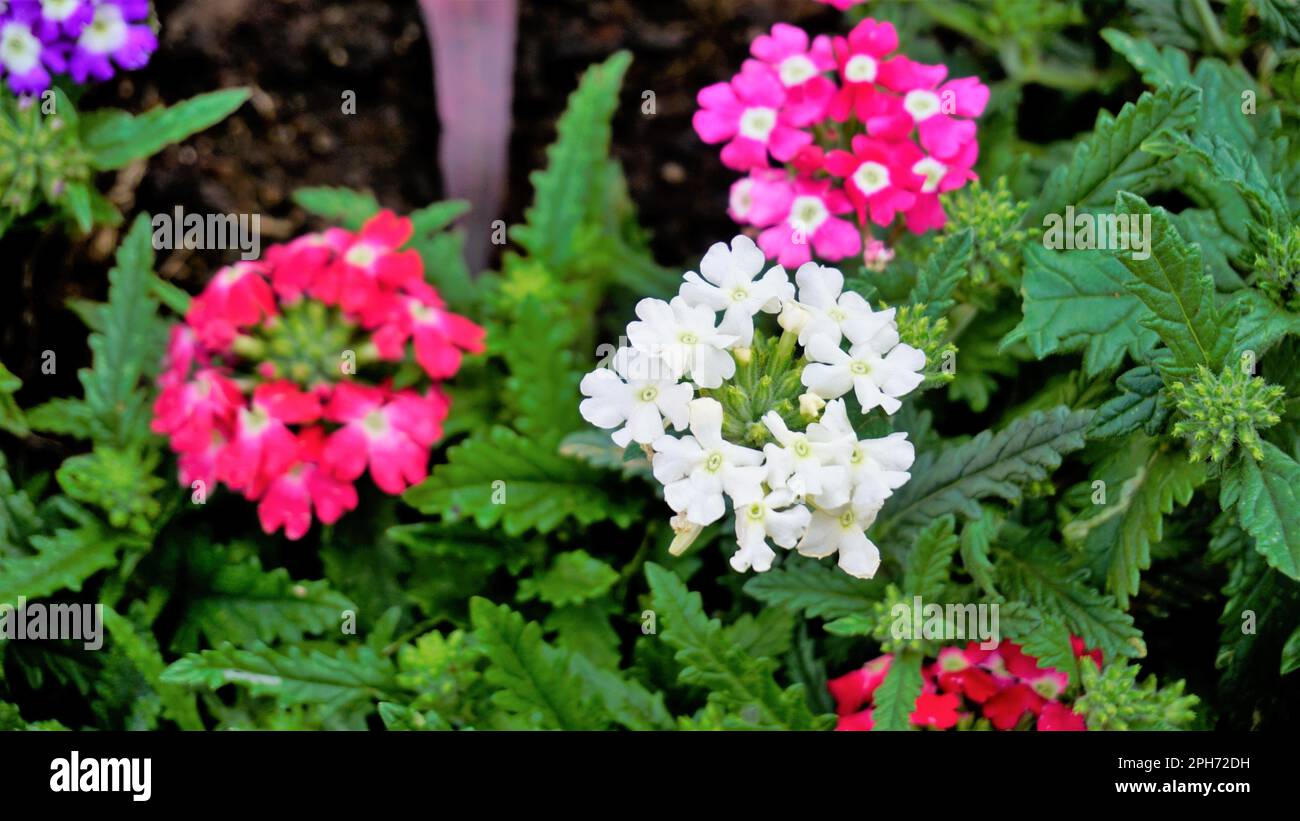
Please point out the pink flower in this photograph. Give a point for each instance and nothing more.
(188, 412)
(1081, 650)
(392, 435)
(859, 58)
(762, 198)
(811, 223)
(878, 177)
(440, 335)
(800, 69)
(854, 689)
(1005, 708)
(262, 446)
(842, 5)
(1058, 717)
(932, 107)
(748, 115)
(936, 177)
(237, 297)
(367, 273)
(876, 255)
(297, 265)
(957, 672)
(290, 497)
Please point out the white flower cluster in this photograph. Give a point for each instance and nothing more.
(816, 491)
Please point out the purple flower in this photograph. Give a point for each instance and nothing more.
(113, 36)
(55, 19)
(23, 58)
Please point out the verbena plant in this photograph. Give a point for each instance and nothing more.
(1104, 441)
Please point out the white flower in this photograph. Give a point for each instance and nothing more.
(843, 530)
(642, 401)
(726, 282)
(695, 470)
(684, 336)
(757, 518)
(830, 311)
(876, 380)
(803, 466)
(877, 467)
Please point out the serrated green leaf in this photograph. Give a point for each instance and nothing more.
(1111, 159)
(63, 560)
(626, 701)
(544, 376)
(742, 685)
(990, 465)
(11, 416)
(1138, 406)
(141, 649)
(895, 698)
(540, 487)
(1076, 301)
(1143, 482)
(930, 559)
(574, 163)
(574, 577)
(942, 272)
(1266, 496)
(531, 677)
(799, 585)
(1179, 296)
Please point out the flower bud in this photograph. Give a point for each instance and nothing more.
(793, 317)
(743, 355)
(810, 406)
(686, 533)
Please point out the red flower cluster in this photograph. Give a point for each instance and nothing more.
(858, 128)
(262, 385)
(1004, 684)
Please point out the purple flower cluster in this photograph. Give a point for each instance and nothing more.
(84, 39)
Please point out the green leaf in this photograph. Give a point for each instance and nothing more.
(942, 272)
(740, 684)
(1266, 496)
(113, 138)
(1139, 405)
(1173, 285)
(544, 376)
(11, 416)
(1291, 653)
(895, 698)
(1076, 301)
(574, 163)
(801, 585)
(531, 677)
(540, 487)
(115, 411)
(573, 578)
(63, 561)
(1041, 575)
(339, 206)
(626, 701)
(140, 647)
(437, 216)
(930, 559)
(766, 635)
(976, 541)
(347, 679)
(1260, 322)
(1111, 159)
(1044, 638)
(1143, 483)
(241, 603)
(1158, 66)
(990, 465)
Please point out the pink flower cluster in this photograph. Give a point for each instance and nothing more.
(287, 420)
(863, 135)
(1004, 684)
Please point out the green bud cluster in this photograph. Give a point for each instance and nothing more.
(928, 335)
(767, 379)
(883, 632)
(307, 343)
(1277, 269)
(994, 218)
(1218, 411)
(1113, 699)
(122, 483)
(39, 157)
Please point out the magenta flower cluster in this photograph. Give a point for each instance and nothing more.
(83, 39)
(862, 135)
